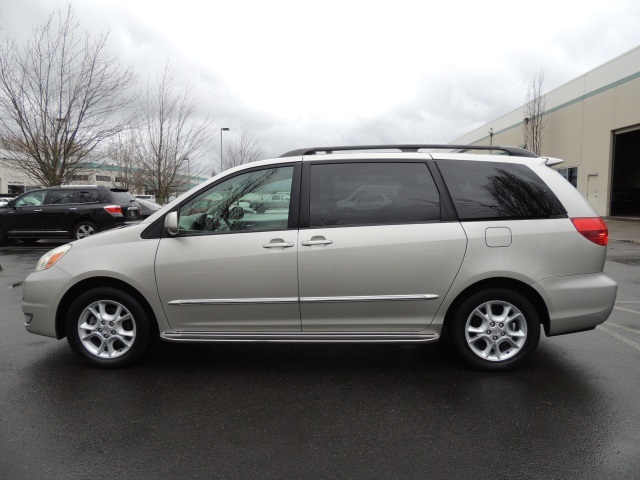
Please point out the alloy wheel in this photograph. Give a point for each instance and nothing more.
(106, 329)
(496, 330)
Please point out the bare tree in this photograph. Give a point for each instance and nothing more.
(535, 118)
(59, 93)
(168, 140)
(122, 154)
(244, 149)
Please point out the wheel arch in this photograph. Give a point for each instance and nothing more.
(500, 282)
(99, 282)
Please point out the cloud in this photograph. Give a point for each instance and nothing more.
(334, 73)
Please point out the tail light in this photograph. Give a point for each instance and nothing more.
(114, 209)
(593, 229)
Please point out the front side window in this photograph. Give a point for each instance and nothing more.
(31, 199)
(253, 201)
(492, 190)
(372, 193)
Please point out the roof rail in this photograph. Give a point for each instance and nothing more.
(65, 185)
(515, 151)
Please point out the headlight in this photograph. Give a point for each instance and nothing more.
(50, 258)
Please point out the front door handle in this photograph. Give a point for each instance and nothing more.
(38, 210)
(316, 241)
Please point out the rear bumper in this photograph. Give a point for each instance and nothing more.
(577, 302)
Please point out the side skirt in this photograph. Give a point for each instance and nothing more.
(300, 337)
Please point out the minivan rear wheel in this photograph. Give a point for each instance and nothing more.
(495, 329)
(107, 327)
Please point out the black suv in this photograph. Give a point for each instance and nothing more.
(73, 211)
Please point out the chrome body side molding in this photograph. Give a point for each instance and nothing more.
(232, 301)
(369, 298)
(253, 301)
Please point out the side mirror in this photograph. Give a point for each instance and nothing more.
(171, 223)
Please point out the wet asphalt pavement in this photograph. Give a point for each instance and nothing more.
(322, 411)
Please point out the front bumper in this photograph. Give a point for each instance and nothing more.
(577, 302)
(41, 295)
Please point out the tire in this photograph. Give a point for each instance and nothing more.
(119, 312)
(3, 237)
(84, 229)
(483, 338)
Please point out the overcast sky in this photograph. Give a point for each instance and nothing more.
(302, 73)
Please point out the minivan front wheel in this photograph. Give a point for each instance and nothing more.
(495, 329)
(108, 327)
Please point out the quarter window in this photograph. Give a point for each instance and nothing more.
(254, 201)
(372, 193)
(491, 190)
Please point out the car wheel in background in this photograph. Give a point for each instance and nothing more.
(108, 327)
(84, 229)
(495, 329)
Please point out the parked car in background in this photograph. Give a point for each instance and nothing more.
(151, 198)
(69, 211)
(271, 202)
(489, 249)
(148, 207)
(367, 201)
(5, 200)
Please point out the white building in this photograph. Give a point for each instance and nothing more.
(14, 182)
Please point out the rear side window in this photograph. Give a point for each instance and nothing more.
(372, 193)
(66, 196)
(490, 190)
(121, 197)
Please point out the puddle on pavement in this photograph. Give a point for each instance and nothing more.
(14, 286)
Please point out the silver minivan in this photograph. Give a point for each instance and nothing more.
(483, 247)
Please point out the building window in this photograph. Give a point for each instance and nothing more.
(103, 178)
(570, 174)
(80, 177)
(16, 190)
(119, 179)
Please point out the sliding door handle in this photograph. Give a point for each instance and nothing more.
(316, 241)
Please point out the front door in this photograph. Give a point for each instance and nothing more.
(231, 268)
(27, 215)
(383, 269)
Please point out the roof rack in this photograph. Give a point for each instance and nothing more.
(515, 151)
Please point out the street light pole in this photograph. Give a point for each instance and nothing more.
(222, 129)
(188, 173)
